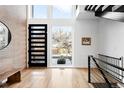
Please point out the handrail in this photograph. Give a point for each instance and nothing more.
(110, 56)
(108, 63)
(115, 78)
(108, 66)
(104, 76)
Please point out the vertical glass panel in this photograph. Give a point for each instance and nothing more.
(39, 11)
(62, 45)
(62, 12)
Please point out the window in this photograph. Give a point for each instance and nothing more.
(62, 12)
(56, 12)
(39, 11)
(62, 44)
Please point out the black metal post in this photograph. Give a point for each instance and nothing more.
(122, 71)
(89, 77)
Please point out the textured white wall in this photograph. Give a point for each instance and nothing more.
(84, 28)
(111, 37)
(14, 55)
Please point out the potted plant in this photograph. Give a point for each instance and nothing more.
(61, 60)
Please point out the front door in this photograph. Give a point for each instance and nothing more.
(37, 45)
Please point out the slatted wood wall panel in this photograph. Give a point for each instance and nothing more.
(14, 55)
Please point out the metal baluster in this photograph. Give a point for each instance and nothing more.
(89, 76)
(122, 72)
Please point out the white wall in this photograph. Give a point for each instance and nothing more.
(111, 38)
(84, 28)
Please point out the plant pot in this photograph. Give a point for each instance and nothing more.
(61, 61)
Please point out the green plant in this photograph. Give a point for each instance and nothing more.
(61, 60)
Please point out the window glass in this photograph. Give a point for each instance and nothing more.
(62, 12)
(62, 44)
(39, 11)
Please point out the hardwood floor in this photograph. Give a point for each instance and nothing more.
(52, 78)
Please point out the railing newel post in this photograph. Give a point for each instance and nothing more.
(122, 65)
(89, 68)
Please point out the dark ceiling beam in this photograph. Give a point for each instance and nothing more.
(119, 8)
(90, 7)
(113, 12)
(99, 9)
(107, 8)
(93, 8)
(86, 7)
(115, 7)
(117, 16)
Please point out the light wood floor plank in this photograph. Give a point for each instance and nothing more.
(52, 78)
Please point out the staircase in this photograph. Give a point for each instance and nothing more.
(105, 72)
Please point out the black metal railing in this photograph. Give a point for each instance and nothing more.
(109, 69)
